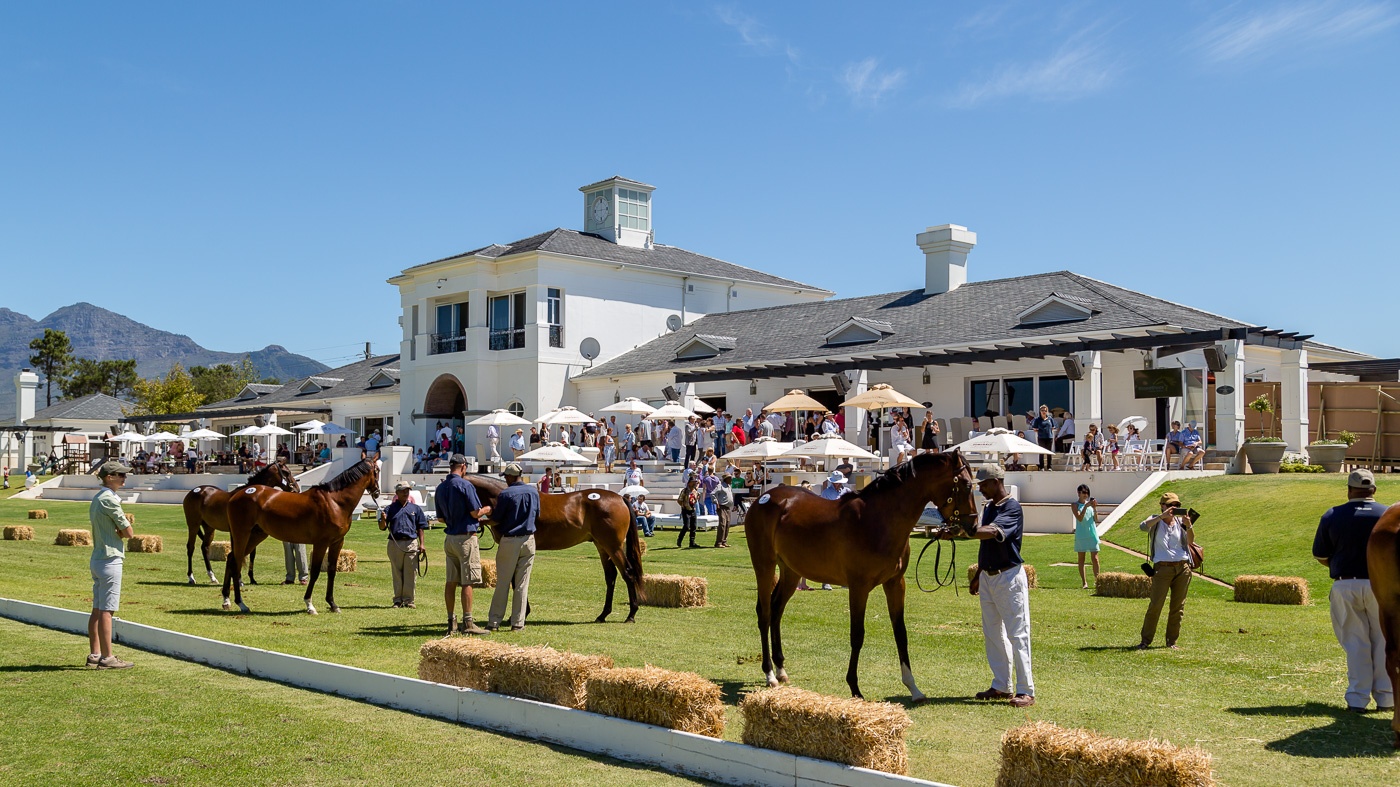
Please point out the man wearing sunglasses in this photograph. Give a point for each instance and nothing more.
(109, 533)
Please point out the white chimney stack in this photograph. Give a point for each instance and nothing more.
(26, 391)
(945, 257)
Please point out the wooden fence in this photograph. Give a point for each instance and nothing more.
(1371, 411)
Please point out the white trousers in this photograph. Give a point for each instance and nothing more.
(495, 443)
(1006, 627)
(1356, 620)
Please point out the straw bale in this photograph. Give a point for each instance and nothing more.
(19, 533)
(460, 661)
(143, 544)
(851, 731)
(347, 561)
(38, 513)
(1041, 754)
(130, 518)
(219, 551)
(1116, 584)
(673, 590)
(676, 700)
(1263, 589)
(488, 574)
(74, 538)
(1031, 581)
(546, 675)
(643, 544)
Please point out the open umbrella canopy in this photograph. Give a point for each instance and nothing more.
(203, 434)
(795, 400)
(629, 406)
(634, 490)
(322, 429)
(127, 437)
(702, 408)
(761, 448)
(555, 452)
(879, 397)
(1135, 420)
(162, 437)
(999, 441)
(247, 431)
(272, 430)
(499, 417)
(829, 447)
(312, 424)
(670, 411)
(568, 415)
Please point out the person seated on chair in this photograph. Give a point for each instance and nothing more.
(1092, 448)
(642, 516)
(1192, 449)
(1176, 442)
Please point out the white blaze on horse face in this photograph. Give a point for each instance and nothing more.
(907, 675)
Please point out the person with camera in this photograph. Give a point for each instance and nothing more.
(460, 508)
(1340, 544)
(405, 521)
(1086, 532)
(1170, 535)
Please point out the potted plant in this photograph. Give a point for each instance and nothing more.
(1331, 453)
(1265, 451)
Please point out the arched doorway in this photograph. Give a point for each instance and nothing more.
(445, 405)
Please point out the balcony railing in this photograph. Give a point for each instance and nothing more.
(439, 343)
(556, 336)
(510, 339)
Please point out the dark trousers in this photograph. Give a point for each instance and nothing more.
(722, 532)
(688, 524)
(1064, 444)
(689, 453)
(1048, 443)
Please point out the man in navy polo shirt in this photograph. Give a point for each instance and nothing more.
(516, 508)
(405, 521)
(1340, 545)
(460, 508)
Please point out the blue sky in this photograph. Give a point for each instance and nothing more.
(1241, 158)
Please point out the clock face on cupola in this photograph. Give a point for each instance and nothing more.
(599, 211)
(619, 210)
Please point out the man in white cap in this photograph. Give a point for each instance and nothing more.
(110, 529)
(1340, 545)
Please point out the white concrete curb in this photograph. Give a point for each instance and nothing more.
(669, 750)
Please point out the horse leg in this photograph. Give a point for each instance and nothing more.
(610, 579)
(206, 535)
(318, 554)
(228, 578)
(859, 597)
(782, 594)
(189, 552)
(252, 555)
(632, 602)
(239, 545)
(332, 561)
(764, 571)
(894, 597)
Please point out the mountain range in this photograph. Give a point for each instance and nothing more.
(102, 335)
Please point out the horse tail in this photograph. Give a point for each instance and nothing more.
(633, 570)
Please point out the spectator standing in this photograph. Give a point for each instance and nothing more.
(928, 433)
(517, 444)
(1169, 536)
(294, 559)
(1111, 446)
(7, 477)
(406, 522)
(110, 529)
(535, 438)
(709, 482)
(546, 484)
(721, 432)
(632, 476)
(1086, 532)
(1044, 425)
(692, 438)
(493, 442)
(675, 441)
(829, 427)
(516, 508)
(689, 500)
(724, 509)
(1340, 544)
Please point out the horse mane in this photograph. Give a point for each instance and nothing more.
(897, 475)
(356, 471)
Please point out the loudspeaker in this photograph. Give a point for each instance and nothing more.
(260, 420)
(671, 394)
(1074, 370)
(842, 383)
(1215, 358)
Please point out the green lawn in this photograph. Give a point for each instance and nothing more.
(1259, 687)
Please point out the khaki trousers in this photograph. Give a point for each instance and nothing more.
(515, 556)
(403, 567)
(1173, 577)
(1356, 620)
(722, 532)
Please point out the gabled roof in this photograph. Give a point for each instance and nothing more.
(704, 345)
(979, 313)
(253, 391)
(93, 407)
(660, 257)
(384, 378)
(316, 383)
(858, 330)
(1056, 307)
(345, 382)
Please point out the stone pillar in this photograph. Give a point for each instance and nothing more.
(26, 392)
(1088, 393)
(1229, 398)
(855, 415)
(1294, 393)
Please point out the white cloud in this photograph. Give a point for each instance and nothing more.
(752, 33)
(867, 84)
(1076, 69)
(1256, 35)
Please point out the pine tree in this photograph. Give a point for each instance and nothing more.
(53, 354)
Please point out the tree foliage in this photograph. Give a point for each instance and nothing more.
(223, 381)
(114, 378)
(175, 393)
(53, 354)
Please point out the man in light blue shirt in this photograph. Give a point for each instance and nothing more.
(835, 486)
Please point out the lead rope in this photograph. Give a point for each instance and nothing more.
(948, 577)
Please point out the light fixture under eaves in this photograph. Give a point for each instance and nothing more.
(441, 282)
(753, 388)
(927, 378)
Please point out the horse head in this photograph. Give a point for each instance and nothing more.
(373, 463)
(285, 479)
(959, 508)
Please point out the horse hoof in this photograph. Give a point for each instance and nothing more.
(335, 609)
(310, 610)
(782, 676)
(244, 608)
(227, 605)
(630, 620)
(772, 681)
(918, 698)
(252, 581)
(213, 580)
(191, 579)
(601, 619)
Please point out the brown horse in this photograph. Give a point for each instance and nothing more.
(860, 540)
(206, 510)
(1383, 565)
(319, 516)
(567, 520)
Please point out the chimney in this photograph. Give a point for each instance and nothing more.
(26, 391)
(945, 257)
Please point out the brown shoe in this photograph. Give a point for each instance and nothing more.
(1022, 701)
(469, 627)
(112, 662)
(992, 694)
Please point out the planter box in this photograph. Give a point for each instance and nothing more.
(1264, 457)
(1330, 457)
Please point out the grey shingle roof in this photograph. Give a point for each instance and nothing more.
(975, 313)
(93, 407)
(662, 257)
(354, 381)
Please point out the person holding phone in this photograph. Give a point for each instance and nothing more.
(1086, 533)
(1169, 536)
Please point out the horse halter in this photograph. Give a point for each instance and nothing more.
(962, 490)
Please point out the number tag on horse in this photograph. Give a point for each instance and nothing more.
(763, 499)
(250, 491)
(593, 495)
(197, 489)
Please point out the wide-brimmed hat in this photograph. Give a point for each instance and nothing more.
(837, 477)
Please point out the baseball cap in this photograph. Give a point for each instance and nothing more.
(402, 486)
(457, 460)
(117, 468)
(1169, 498)
(1362, 478)
(990, 473)
(513, 469)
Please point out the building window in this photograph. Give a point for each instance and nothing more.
(1019, 396)
(451, 333)
(516, 409)
(554, 300)
(633, 209)
(507, 315)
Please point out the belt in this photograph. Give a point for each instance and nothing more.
(1000, 570)
(403, 538)
(1343, 579)
(1171, 562)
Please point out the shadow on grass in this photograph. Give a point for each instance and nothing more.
(403, 630)
(1109, 648)
(908, 702)
(175, 584)
(1348, 734)
(41, 668)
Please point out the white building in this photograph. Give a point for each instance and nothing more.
(69, 427)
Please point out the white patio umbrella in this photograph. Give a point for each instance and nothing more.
(272, 430)
(247, 431)
(760, 449)
(203, 434)
(499, 417)
(555, 452)
(629, 406)
(312, 424)
(162, 437)
(634, 490)
(671, 411)
(127, 437)
(568, 415)
(332, 428)
(999, 441)
(830, 448)
(701, 407)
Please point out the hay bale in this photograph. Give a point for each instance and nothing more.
(488, 574)
(38, 513)
(676, 700)
(1030, 574)
(143, 544)
(673, 590)
(347, 561)
(643, 544)
(1262, 589)
(73, 538)
(546, 675)
(130, 518)
(852, 731)
(460, 661)
(1116, 584)
(219, 551)
(1043, 754)
(19, 533)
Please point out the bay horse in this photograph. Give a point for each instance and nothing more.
(206, 510)
(860, 540)
(1383, 566)
(320, 516)
(569, 519)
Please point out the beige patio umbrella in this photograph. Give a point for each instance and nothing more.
(880, 397)
(702, 408)
(795, 400)
(760, 449)
(998, 441)
(671, 411)
(830, 448)
(629, 406)
(555, 452)
(499, 417)
(568, 415)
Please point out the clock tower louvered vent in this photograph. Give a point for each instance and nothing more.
(620, 210)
